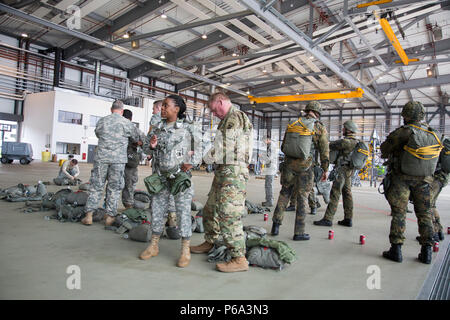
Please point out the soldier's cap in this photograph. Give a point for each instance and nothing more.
(351, 126)
(413, 110)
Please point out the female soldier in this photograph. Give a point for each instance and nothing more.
(169, 144)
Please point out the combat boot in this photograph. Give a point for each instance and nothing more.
(152, 250)
(313, 211)
(346, 222)
(267, 204)
(109, 220)
(425, 254)
(300, 237)
(290, 208)
(323, 222)
(205, 247)
(185, 257)
(441, 235)
(234, 265)
(275, 229)
(87, 220)
(394, 253)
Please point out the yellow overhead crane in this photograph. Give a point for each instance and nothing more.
(358, 93)
(373, 3)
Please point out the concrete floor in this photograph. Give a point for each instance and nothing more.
(35, 254)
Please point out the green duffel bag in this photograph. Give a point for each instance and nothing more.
(265, 257)
(286, 253)
(153, 184)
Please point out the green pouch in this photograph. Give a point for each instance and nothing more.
(181, 182)
(153, 184)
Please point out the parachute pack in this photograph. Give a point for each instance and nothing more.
(359, 155)
(298, 139)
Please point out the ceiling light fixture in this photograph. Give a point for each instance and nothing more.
(126, 35)
(371, 60)
(430, 72)
(164, 16)
(264, 70)
(162, 56)
(234, 54)
(204, 36)
(282, 81)
(24, 35)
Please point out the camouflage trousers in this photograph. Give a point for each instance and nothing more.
(131, 180)
(300, 184)
(398, 195)
(222, 213)
(312, 199)
(436, 188)
(160, 206)
(113, 172)
(268, 186)
(342, 184)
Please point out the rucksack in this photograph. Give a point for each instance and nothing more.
(264, 257)
(445, 155)
(421, 153)
(298, 138)
(359, 155)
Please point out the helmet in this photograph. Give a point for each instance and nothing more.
(314, 106)
(413, 110)
(351, 126)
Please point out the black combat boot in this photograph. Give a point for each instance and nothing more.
(313, 211)
(323, 222)
(425, 254)
(290, 208)
(441, 235)
(275, 229)
(299, 237)
(346, 222)
(394, 253)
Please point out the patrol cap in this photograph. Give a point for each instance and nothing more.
(413, 110)
(314, 106)
(351, 126)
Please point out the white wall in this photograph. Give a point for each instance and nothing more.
(38, 121)
(84, 134)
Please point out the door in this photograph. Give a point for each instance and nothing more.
(91, 153)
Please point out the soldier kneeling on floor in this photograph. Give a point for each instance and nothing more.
(68, 174)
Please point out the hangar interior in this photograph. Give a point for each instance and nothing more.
(361, 60)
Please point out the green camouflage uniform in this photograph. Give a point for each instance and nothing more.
(403, 186)
(226, 199)
(135, 156)
(343, 181)
(113, 133)
(439, 182)
(297, 176)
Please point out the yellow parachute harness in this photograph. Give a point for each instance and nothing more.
(301, 130)
(432, 151)
(364, 152)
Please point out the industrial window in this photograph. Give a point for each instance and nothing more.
(93, 121)
(70, 117)
(67, 148)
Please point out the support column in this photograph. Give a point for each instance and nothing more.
(57, 67)
(97, 76)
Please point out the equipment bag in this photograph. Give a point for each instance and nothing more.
(298, 139)
(445, 155)
(142, 233)
(359, 155)
(286, 253)
(264, 257)
(421, 153)
(153, 184)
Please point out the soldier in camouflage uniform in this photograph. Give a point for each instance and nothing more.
(113, 133)
(402, 186)
(135, 156)
(297, 175)
(154, 122)
(170, 145)
(343, 180)
(68, 174)
(270, 170)
(232, 153)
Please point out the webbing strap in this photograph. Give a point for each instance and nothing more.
(301, 130)
(364, 152)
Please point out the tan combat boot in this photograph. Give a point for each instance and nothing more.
(185, 257)
(203, 248)
(87, 220)
(234, 265)
(152, 250)
(109, 220)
